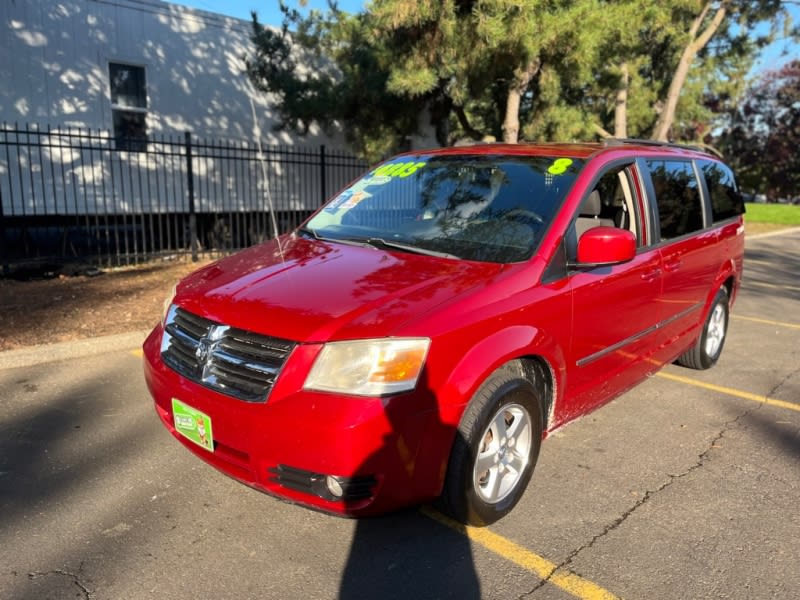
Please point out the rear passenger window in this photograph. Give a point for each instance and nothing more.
(680, 208)
(726, 201)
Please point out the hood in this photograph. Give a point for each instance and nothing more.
(319, 291)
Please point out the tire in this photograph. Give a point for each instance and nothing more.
(708, 347)
(501, 430)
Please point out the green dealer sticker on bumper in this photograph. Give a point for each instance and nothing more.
(192, 424)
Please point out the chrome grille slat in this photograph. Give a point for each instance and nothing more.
(249, 365)
(195, 325)
(227, 380)
(255, 340)
(180, 336)
(227, 371)
(264, 352)
(185, 356)
(232, 361)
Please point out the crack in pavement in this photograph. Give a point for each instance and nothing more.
(87, 593)
(702, 458)
(771, 394)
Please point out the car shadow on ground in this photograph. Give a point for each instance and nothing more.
(784, 434)
(407, 555)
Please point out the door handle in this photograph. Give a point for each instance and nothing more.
(651, 275)
(672, 265)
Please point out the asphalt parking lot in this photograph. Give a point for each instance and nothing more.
(685, 487)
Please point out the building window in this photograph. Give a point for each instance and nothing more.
(128, 106)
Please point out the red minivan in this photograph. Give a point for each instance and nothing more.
(418, 337)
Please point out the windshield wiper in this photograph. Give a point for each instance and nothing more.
(309, 231)
(407, 248)
(348, 241)
(376, 242)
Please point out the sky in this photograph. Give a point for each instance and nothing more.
(771, 57)
(267, 10)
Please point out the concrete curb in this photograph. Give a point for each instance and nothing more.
(45, 353)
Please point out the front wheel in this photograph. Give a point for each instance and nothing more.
(708, 347)
(495, 451)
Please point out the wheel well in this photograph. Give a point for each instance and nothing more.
(728, 285)
(538, 372)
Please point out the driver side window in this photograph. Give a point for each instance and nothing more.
(609, 204)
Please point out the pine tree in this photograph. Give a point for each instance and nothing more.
(508, 69)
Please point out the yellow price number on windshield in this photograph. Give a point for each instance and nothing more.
(559, 166)
(398, 169)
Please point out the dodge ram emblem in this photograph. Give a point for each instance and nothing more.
(203, 350)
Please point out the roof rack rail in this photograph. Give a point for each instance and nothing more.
(623, 141)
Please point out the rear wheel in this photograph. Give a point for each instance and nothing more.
(496, 448)
(708, 347)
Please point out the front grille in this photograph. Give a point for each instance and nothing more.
(229, 360)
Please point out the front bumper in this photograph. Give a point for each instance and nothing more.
(287, 445)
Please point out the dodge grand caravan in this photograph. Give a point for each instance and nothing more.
(421, 334)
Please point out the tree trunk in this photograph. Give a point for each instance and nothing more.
(696, 43)
(621, 104)
(601, 132)
(522, 78)
(466, 125)
(440, 108)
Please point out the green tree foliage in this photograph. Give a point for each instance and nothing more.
(509, 69)
(658, 63)
(494, 61)
(470, 64)
(763, 134)
(711, 31)
(330, 70)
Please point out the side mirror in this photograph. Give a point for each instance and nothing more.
(605, 246)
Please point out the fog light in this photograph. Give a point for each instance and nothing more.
(328, 487)
(334, 486)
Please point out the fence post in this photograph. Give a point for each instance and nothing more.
(322, 169)
(190, 189)
(3, 257)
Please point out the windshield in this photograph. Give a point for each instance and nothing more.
(473, 207)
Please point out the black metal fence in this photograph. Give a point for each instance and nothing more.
(82, 195)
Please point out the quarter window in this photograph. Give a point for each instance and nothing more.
(128, 106)
(726, 201)
(680, 208)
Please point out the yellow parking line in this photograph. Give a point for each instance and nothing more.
(569, 582)
(541, 567)
(766, 321)
(730, 391)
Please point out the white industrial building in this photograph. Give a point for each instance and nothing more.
(113, 112)
(130, 66)
(100, 100)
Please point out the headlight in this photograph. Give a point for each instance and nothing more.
(369, 367)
